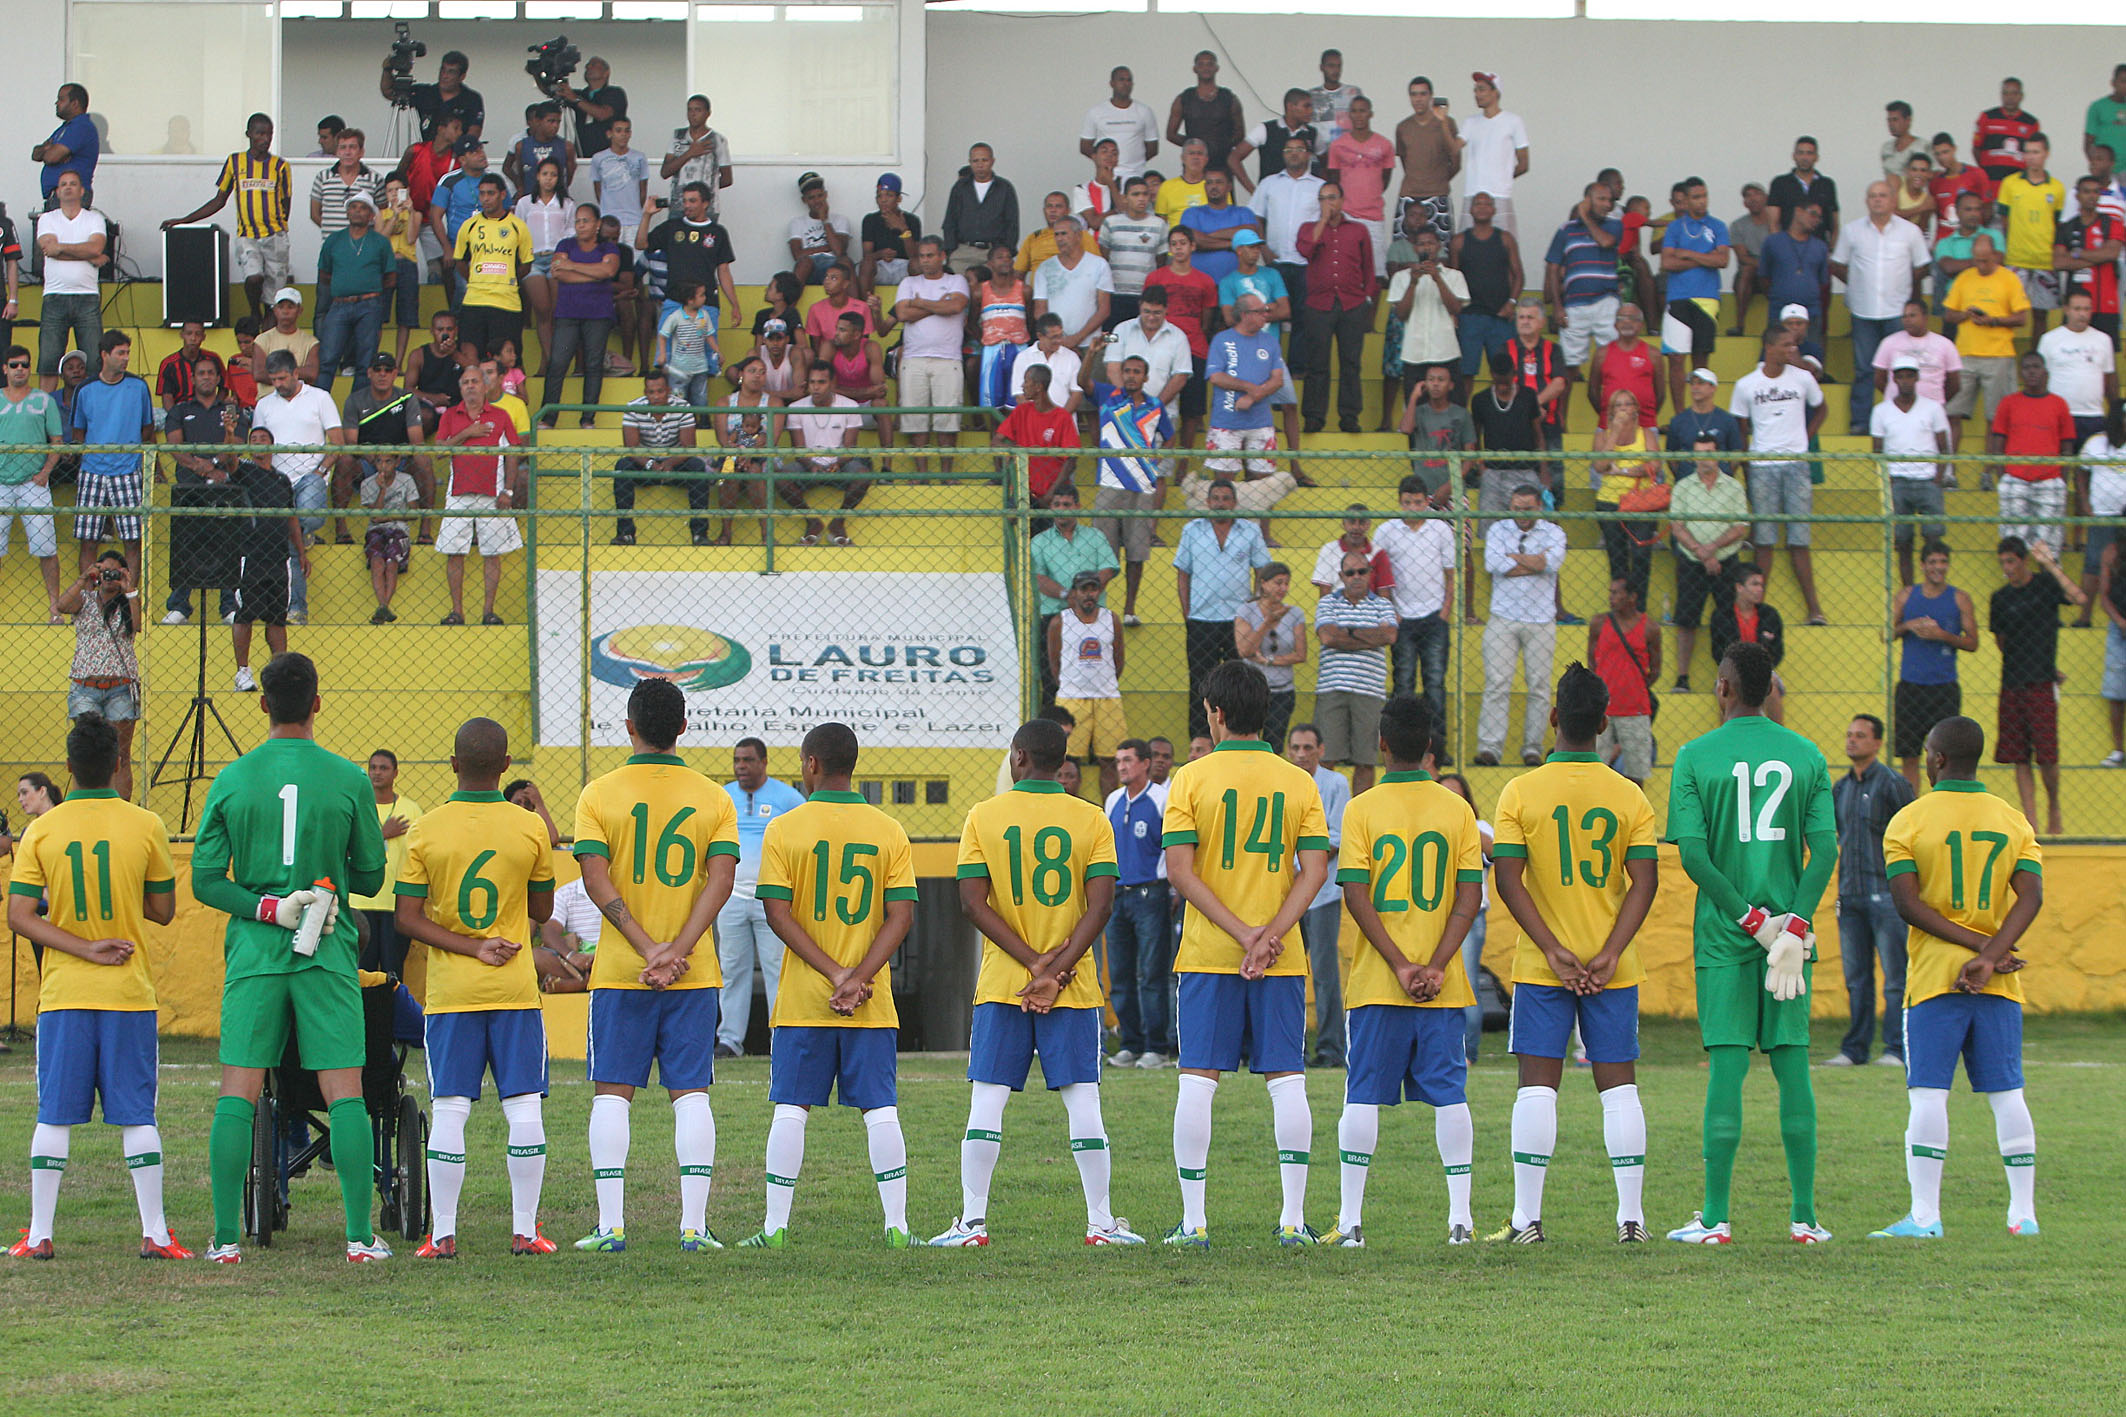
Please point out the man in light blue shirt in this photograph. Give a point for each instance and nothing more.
(742, 934)
(1213, 574)
(1324, 918)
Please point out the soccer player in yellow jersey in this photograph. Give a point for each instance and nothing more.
(477, 877)
(1966, 874)
(104, 867)
(658, 846)
(1037, 877)
(1413, 877)
(837, 883)
(1575, 861)
(1234, 820)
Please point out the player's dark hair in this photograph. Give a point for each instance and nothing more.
(834, 744)
(511, 788)
(1875, 725)
(289, 683)
(1168, 741)
(92, 751)
(1414, 484)
(1046, 742)
(2012, 546)
(755, 744)
(1749, 666)
(1406, 728)
(1237, 690)
(1933, 546)
(481, 748)
(1582, 703)
(1961, 741)
(1136, 745)
(55, 794)
(1056, 713)
(658, 708)
(1313, 728)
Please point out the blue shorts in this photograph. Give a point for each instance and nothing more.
(83, 1054)
(1006, 1037)
(1543, 1016)
(809, 1062)
(676, 1027)
(1224, 1019)
(462, 1047)
(1985, 1028)
(1396, 1051)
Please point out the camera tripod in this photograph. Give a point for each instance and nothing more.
(195, 722)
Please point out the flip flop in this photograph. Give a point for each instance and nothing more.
(453, 618)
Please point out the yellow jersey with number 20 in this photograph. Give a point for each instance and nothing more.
(837, 860)
(1410, 842)
(1245, 810)
(656, 822)
(1039, 848)
(1575, 822)
(473, 862)
(94, 858)
(1965, 845)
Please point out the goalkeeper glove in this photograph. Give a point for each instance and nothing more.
(1760, 925)
(1786, 958)
(287, 911)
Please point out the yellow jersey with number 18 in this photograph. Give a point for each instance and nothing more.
(1965, 846)
(656, 822)
(1245, 810)
(1038, 847)
(473, 862)
(1411, 843)
(838, 861)
(95, 858)
(1575, 822)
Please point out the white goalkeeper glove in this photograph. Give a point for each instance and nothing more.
(286, 911)
(1787, 957)
(1760, 925)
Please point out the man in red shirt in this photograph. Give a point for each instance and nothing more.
(2032, 422)
(1951, 180)
(1624, 648)
(1189, 292)
(479, 484)
(2087, 246)
(173, 380)
(1036, 421)
(1997, 146)
(428, 163)
(1628, 362)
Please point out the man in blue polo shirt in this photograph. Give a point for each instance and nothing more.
(1215, 221)
(1580, 277)
(73, 146)
(1694, 250)
(114, 407)
(1139, 939)
(742, 934)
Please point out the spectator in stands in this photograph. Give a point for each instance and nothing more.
(1580, 277)
(820, 237)
(332, 186)
(1627, 363)
(1489, 259)
(747, 430)
(1215, 221)
(583, 269)
(495, 247)
(1162, 762)
(1932, 621)
(30, 418)
(1132, 422)
(549, 215)
(2081, 366)
(1213, 565)
(395, 813)
(1289, 201)
(1997, 146)
(837, 299)
(1074, 284)
(1879, 256)
(1360, 164)
(1174, 195)
(1494, 154)
(843, 471)
(1524, 555)
(1435, 426)
(1700, 414)
(104, 676)
(598, 105)
(2087, 248)
(1138, 940)
(1170, 361)
(173, 377)
(652, 426)
(1082, 648)
(620, 175)
(2104, 125)
(523, 792)
(1189, 294)
(1986, 304)
(932, 304)
(2032, 202)
(1779, 407)
(358, 266)
(72, 240)
(1917, 429)
(387, 494)
(1266, 142)
(299, 414)
(1708, 520)
(1099, 196)
(288, 334)
(1320, 925)
(1333, 100)
(1748, 233)
(1038, 422)
(208, 416)
(260, 183)
(500, 388)
(1540, 368)
(1746, 618)
(1869, 927)
(1355, 626)
(485, 484)
(981, 210)
(1799, 187)
(1256, 276)
(1796, 266)
(114, 407)
(1005, 328)
(1040, 244)
(72, 147)
(1048, 351)
(432, 370)
(1901, 146)
(2032, 422)
(1058, 555)
(1506, 420)
(696, 248)
(1132, 241)
(1428, 299)
(743, 940)
(1621, 472)
(452, 199)
(1914, 194)
(1624, 647)
(698, 154)
(889, 237)
(379, 414)
(1355, 536)
(687, 350)
(539, 142)
(1420, 551)
(1270, 632)
(1964, 221)
(1429, 147)
(2024, 618)
(1941, 368)
(273, 548)
(1245, 371)
(1121, 118)
(2102, 487)
(1207, 113)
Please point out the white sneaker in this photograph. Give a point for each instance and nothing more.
(244, 682)
(1836, 1060)
(359, 1253)
(1117, 1233)
(1123, 1058)
(2112, 759)
(176, 617)
(298, 617)
(1699, 1233)
(962, 1234)
(1152, 1062)
(1889, 1060)
(1803, 1233)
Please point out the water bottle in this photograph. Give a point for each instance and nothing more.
(312, 929)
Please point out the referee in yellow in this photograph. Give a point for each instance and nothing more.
(259, 182)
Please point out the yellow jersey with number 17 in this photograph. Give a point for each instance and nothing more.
(1965, 845)
(1245, 810)
(1411, 842)
(838, 861)
(656, 822)
(472, 863)
(95, 859)
(1038, 847)
(1575, 822)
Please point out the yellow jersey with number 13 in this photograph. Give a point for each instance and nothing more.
(1245, 810)
(473, 862)
(656, 822)
(1039, 848)
(1411, 843)
(837, 860)
(94, 858)
(1965, 845)
(1575, 822)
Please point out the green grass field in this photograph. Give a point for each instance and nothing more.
(1976, 1323)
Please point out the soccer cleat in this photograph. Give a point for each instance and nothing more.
(1460, 1235)
(225, 1254)
(1907, 1229)
(535, 1243)
(1632, 1232)
(1296, 1236)
(603, 1241)
(1116, 1232)
(1699, 1233)
(149, 1250)
(244, 682)
(376, 1249)
(898, 1239)
(2020, 1229)
(696, 1242)
(1342, 1239)
(963, 1234)
(438, 1247)
(1529, 1234)
(1802, 1232)
(1183, 1238)
(765, 1240)
(22, 1249)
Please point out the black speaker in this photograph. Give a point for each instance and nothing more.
(206, 553)
(195, 275)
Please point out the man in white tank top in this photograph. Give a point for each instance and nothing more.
(785, 361)
(1085, 656)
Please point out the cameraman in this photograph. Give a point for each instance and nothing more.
(447, 94)
(596, 105)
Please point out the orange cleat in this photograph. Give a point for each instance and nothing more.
(433, 1248)
(22, 1249)
(535, 1243)
(149, 1250)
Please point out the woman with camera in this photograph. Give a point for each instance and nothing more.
(105, 677)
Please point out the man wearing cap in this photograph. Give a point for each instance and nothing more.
(1940, 366)
(1082, 649)
(356, 264)
(1879, 257)
(1909, 424)
(1494, 153)
(931, 305)
(889, 236)
(455, 202)
(380, 414)
(1747, 232)
(1700, 414)
(260, 183)
(287, 333)
(1122, 117)
(819, 238)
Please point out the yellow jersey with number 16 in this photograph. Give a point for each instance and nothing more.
(94, 858)
(656, 822)
(838, 861)
(1575, 822)
(1411, 843)
(473, 862)
(1965, 846)
(1039, 848)
(1245, 810)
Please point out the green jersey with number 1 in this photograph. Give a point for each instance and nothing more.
(1752, 791)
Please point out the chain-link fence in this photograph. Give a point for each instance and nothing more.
(912, 592)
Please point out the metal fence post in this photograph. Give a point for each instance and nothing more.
(583, 624)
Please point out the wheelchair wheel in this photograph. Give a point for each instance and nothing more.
(412, 1149)
(262, 1182)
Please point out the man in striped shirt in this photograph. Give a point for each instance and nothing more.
(259, 181)
(1355, 626)
(1130, 419)
(656, 425)
(1580, 276)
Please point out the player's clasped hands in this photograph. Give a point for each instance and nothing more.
(1570, 972)
(108, 951)
(1259, 950)
(662, 967)
(496, 952)
(850, 993)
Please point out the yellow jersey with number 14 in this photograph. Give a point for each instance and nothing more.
(838, 861)
(1039, 848)
(1411, 842)
(1245, 810)
(1575, 822)
(1965, 845)
(656, 822)
(473, 862)
(95, 858)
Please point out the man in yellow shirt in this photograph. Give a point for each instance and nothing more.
(1576, 865)
(494, 248)
(1236, 820)
(837, 884)
(395, 814)
(1967, 876)
(1178, 194)
(658, 846)
(476, 879)
(1412, 869)
(103, 867)
(2032, 202)
(1037, 877)
(1987, 305)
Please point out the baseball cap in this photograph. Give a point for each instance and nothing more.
(358, 195)
(775, 327)
(1084, 578)
(1905, 361)
(806, 181)
(1481, 77)
(1706, 375)
(287, 292)
(1793, 312)
(466, 145)
(383, 361)
(1246, 237)
(891, 181)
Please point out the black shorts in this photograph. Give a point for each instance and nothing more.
(1919, 708)
(1704, 334)
(1192, 393)
(485, 327)
(262, 592)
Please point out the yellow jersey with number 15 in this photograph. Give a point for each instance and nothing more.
(1575, 822)
(656, 822)
(472, 863)
(1245, 810)
(838, 861)
(94, 858)
(1039, 848)
(1410, 842)
(1965, 845)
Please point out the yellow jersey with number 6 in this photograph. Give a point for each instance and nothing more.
(1965, 846)
(656, 822)
(1245, 810)
(838, 861)
(1411, 843)
(473, 863)
(1575, 822)
(1038, 847)
(95, 858)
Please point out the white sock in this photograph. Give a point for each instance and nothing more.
(609, 1142)
(1535, 1136)
(48, 1152)
(1926, 1149)
(1624, 1136)
(1192, 1144)
(694, 1139)
(1455, 1135)
(786, 1157)
(527, 1160)
(889, 1163)
(143, 1157)
(1357, 1133)
(2017, 1135)
(1088, 1147)
(1293, 1123)
(979, 1148)
(446, 1160)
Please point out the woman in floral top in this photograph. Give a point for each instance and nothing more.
(105, 677)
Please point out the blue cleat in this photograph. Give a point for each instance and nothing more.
(1907, 1229)
(2023, 1229)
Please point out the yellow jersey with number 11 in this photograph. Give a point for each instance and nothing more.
(1411, 843)
(1575, 822)
(473, 863)
(1245, 810)
(1965, 846)
(1039, 848)
(838, 861)
(656, 822)
(95, 858)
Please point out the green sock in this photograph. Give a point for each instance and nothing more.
(1797, 1127)
(1723, 1126)
(228, 1160)
(355, 1161)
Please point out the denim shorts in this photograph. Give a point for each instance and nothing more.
(119, 703)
